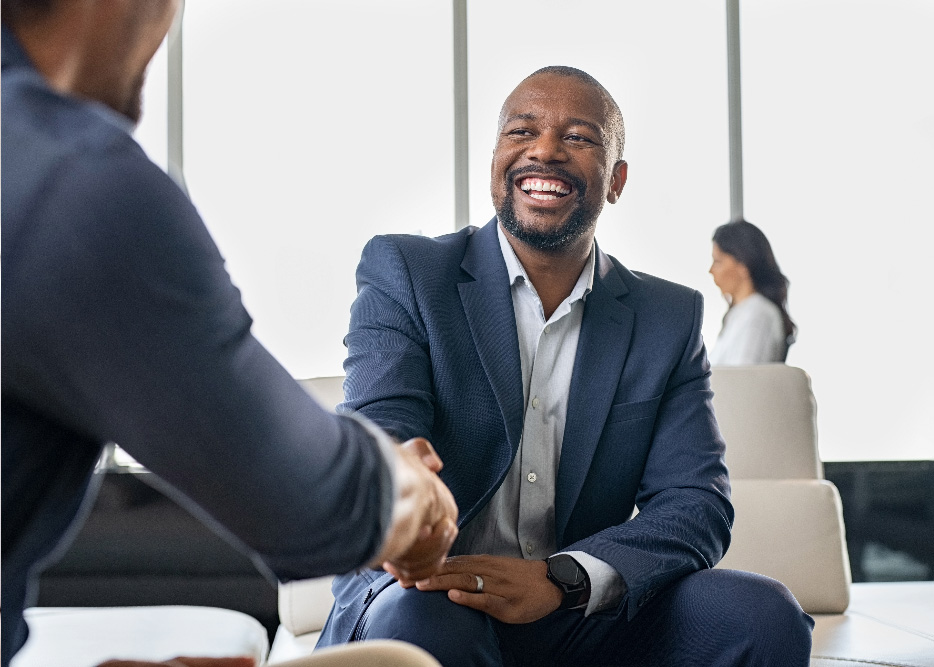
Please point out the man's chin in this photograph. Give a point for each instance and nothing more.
(546, 240)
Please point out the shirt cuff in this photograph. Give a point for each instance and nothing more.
(607, 587)
(389, 491)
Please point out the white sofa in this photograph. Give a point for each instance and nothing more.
(789, 525)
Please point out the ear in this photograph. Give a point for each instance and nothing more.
(620, 170)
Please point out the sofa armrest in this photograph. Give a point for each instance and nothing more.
(304, 605)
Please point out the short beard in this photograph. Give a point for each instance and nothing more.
(581, 220)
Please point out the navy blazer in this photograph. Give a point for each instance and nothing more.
(433, 352)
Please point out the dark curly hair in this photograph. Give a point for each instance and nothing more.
(746, 242)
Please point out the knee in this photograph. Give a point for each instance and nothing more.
(761, 615)
(453, 634)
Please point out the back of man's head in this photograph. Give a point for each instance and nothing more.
(20, 11)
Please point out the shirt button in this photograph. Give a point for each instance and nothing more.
(530, 547)
(548, 329)
(532, 477)
(536, 402)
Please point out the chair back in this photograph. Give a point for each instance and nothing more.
(768, 417)
(789, 520)
(328, 391)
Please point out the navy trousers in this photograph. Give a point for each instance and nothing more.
(709, 618)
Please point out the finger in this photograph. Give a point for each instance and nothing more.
(241, 661)
(397, 574)
(425, 452)
(462, 581)
(489, 604)
(426, 556)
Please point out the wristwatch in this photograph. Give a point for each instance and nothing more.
(565, 573)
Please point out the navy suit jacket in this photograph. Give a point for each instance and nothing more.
(433, 352)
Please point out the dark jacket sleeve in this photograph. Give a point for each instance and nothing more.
(130, 330)
(388, 365)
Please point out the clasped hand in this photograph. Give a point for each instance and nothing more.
(424, 517)
(514, 590)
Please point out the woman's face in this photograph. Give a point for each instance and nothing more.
(727, 271)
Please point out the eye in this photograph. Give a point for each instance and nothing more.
(579, 138)
(519, 132)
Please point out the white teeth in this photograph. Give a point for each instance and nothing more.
(534, 184)
(542, 197)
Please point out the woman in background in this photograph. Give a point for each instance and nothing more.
(756, 328)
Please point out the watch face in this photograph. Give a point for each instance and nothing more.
(565, 569)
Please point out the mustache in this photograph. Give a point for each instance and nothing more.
(555, 172)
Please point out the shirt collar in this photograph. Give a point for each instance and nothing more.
(516, 271)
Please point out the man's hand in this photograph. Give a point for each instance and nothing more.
(424, 518)
(185, 662)
(514, 590)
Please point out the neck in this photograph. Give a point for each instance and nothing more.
(553, 274)
(742, 293)
(54, 44)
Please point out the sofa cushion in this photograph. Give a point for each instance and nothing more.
(886, 624)
(792, 530)
(87, 636)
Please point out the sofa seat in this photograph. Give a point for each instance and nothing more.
(885, 624)
(87, 636)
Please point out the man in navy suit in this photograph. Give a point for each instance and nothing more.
(562, 391)
(121, 324)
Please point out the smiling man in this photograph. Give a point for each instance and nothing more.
(562, 390)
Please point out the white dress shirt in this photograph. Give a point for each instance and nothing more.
(519, 520)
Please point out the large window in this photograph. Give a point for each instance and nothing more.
(310, 127)
(838, 117)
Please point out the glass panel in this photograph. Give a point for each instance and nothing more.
(309, 128)
(837, 112)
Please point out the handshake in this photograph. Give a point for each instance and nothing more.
(424, 516)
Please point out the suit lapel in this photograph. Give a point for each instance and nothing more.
(487, 302)
(606, 330)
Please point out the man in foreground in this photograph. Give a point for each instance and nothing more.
(562, 390)
(121, 324)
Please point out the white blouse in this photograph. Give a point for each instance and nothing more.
(753, 333)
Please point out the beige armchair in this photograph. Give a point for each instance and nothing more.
(789, 524)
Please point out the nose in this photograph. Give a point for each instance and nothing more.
(548, 147)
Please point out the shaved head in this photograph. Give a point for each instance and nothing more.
(615, 126)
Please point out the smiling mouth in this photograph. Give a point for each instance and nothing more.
(544, 189)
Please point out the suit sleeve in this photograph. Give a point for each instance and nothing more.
(388, 366)
(685, 516)
(135, 334)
